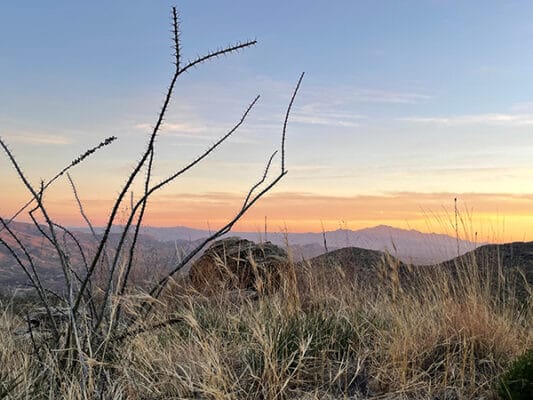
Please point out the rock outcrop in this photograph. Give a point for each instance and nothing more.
(234, 263)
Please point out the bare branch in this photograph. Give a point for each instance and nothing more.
(74, 162)
(19, 170)
(142, 203)
(95, 327)
(80, 205)
(156, 291)
(148, 193)
(207, 152)
(286, 120)
(38, 198)
(149, 149)
(68, 233)
(35, 281)
(247, 203)
(218, 53)
(128, 184)
(176, 36)
(259, 183)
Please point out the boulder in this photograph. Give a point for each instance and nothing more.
(236, 264)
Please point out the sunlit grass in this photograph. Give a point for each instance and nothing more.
(318, 337)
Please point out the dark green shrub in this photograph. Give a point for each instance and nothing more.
(517, 382)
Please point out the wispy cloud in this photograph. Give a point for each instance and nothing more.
(178, 129)
(199, 132)
(501, 119)
(308, 205)
(522, 108)
(489, 171)
(334, 106)
(325, 115)
(324, 121)
(311, 167)
(38, 138)
(343, 95)
(384, 96)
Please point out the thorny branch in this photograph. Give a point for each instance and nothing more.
(92, 337)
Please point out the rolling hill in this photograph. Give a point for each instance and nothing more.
(160, 248)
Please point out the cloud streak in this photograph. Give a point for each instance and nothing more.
(496, 119)
(311, 206)
(177, 129)
(384, 96)
(325, 115)
(38, 139)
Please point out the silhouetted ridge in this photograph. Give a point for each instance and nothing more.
(516, 257)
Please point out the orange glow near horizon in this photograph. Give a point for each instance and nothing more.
(482, 217)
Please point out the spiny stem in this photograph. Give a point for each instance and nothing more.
(286, 120)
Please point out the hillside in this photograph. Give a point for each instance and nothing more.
(508, 264)
(310, 336)
(514, 261)
(161, 247)
(151, 255)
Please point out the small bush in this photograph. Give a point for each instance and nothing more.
(517, 382)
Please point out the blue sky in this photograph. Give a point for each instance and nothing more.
(422, 97)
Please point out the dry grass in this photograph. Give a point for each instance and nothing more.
(320, 337)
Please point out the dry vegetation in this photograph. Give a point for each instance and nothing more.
(319, 337)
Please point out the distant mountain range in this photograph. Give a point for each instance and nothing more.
(162, 247)
(410, 246)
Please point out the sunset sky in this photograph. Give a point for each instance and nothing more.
(405, 106)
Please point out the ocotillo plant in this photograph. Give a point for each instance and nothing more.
(95, 325)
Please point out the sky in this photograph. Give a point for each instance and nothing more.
(405, 106)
